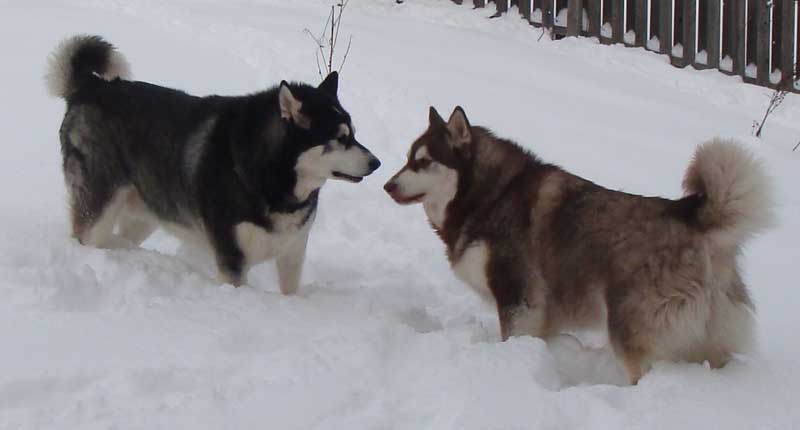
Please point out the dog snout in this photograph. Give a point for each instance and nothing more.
(390, 187)
(374, 163)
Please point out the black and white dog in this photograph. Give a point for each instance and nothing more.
(238, 174)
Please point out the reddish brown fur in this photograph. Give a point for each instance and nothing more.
(565, 253)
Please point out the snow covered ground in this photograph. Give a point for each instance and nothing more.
(381, 335)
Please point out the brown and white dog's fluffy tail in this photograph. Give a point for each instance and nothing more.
(735, 191)
(80, 58)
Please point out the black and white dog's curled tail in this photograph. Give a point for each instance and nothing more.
(737, 194)
(79, 59)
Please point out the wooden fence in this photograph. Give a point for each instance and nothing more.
(754, 39)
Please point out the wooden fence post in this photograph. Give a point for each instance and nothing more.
(501, 5)
(618, 21)
(594, 14)
(575, 17)
(763, 39)
(547, 14)
(665, 27)
(525, 9)
(776, 22)
(479, 3)
(713, 32)
(689, 31)
(797, 41)
(789, 11)
(640, 22)
(739, 9)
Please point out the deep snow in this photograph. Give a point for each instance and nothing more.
(381, 334)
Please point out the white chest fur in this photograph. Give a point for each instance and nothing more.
(435, 203)
(472, 269)
(259, 244)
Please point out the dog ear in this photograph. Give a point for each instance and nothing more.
(290, 107)
(434, 119)
(459, 128)
(331, 84)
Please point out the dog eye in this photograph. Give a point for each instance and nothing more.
(345, 139)
(423, 163)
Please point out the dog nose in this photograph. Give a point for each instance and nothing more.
(374, 163)
(390, 187)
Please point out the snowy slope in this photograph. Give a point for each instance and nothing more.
(381, 335)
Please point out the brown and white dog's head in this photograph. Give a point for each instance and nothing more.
(430, 175)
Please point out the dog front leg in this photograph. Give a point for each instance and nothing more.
(521, 320)
(290, 265)
(521, 306)
(230, 258)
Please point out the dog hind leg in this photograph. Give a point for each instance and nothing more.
(133, 223)
(135, 230)
(94, 216)
(95, 182)
(231, 264)
(632, 359)
(95, 203)
(730, 327)
(627, 343)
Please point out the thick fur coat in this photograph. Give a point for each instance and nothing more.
(556, 252)
(240, 175)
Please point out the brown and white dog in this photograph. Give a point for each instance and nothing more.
(558, 253)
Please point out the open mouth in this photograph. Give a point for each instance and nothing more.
(346, 177)
(409, 200)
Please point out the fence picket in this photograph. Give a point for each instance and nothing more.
(640, 22)
(574, 17)
(618, 21)
(713, 33)
(665, 27)
(525, 9)
(547, 13)
(739, 36)
(689, 31)
(501, 5)
(789, 12)
(594, 13)
(763, 42)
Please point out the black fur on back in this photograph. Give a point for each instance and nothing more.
(249, 159)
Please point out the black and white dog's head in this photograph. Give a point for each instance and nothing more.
(323, 135)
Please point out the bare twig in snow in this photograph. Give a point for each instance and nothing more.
(332, 42)
(328, 40)
(774, 102)
(319, 53)
(347, 51)
(778, 95)
(541, 35)
(342, 5)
